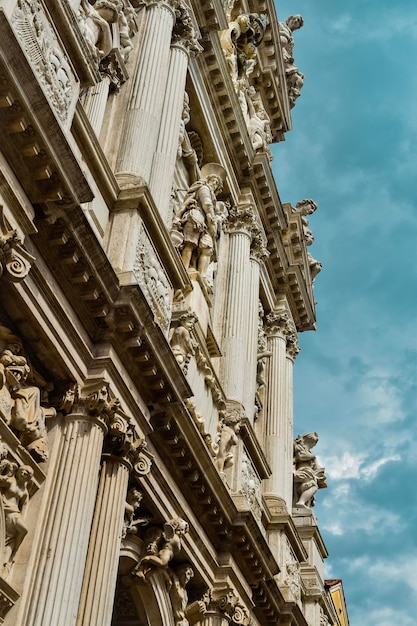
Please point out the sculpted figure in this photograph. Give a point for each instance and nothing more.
(228, 429)
(163, 547)
(182, 342)
(20, 402)
(259, 127)
(286, 29)
(96, 25)
(184, 612)
(133, 499)
(196, 218)
(15, 496)
(309, 477)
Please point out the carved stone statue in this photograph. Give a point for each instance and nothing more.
(182, 343)
(228, 428)
(15, 496)
(184, 612)
(197, 219)
(162, 548)
(259, 127)
(286, 29)
(263, 354)
(309, 477)
(314, 265)
(294, 78)
(133, 499)
(20, 401)
(96, 22)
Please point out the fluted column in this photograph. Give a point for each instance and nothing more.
(236, 331)
(257, 254)
(94, 103)
(72, 486)
(184, 43)
(100, 575)
(279, 402)
(143, 116)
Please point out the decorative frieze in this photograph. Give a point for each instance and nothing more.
(152, 278)
(49, 61)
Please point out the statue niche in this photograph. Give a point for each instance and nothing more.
(20, 399)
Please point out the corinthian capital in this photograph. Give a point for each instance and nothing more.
(241, 219)
(277, 324)
(184, 32)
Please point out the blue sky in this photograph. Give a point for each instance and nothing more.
(353, 150)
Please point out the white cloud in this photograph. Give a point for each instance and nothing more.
(383, 616)
(354, 466)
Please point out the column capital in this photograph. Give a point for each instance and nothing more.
(241, 219)
(258, 249)
(183, 34)
(277, 324)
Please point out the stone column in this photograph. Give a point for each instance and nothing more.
(257, 254)
(236, 331)
(143, 116)
(278, 411)
(184, 43)
(100, 574)
(66, 524)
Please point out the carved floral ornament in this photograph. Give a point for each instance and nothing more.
(184, 32)
(15, 261)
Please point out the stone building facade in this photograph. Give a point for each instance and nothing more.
(152, 287)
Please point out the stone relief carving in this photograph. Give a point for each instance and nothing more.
(107, 25)
(161, 547)
(184, 613)
(227, 602)
(198, 221)
(293, 578)
(309, 477)
(14, 483)
(227, 431)
(182, 343)
(20, 399)
(15, 261)
(251, 486)
(152, 279)
(294, 78)
(46, 56)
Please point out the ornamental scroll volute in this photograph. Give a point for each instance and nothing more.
(15, 260)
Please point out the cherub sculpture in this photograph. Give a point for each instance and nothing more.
(162, 548)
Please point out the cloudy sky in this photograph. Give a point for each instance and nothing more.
(354, 150)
